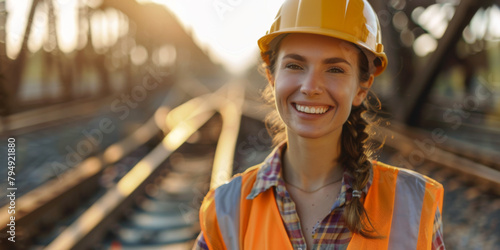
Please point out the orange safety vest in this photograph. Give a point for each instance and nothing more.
(400, 203)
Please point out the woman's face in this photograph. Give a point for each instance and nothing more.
(315, 84)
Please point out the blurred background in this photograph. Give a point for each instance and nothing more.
(123, 113)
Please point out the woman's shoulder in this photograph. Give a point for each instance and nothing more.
(249, 173)
(408, 176)
(236, 181)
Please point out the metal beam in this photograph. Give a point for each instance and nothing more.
(421, 86)
(14, 69)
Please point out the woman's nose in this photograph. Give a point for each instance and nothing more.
(312, 84)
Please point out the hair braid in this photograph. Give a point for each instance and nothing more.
(354, 156)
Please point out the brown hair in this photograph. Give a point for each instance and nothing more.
(355, 148)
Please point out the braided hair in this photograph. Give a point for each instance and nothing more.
(355, 158)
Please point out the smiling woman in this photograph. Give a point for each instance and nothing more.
(316, 73)
(319, 189)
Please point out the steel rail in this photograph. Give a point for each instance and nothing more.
(74, 236)
(42, 203)
(33, 120)
(484, 176)
(231, 118)
(93, 220)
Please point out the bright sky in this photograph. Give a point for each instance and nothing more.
(229, 28)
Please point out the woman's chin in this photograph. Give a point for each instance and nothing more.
(309, 134)
(314, 132)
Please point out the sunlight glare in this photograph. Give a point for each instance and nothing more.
(95, 29)
(424, 45)
(493, 28)
(165, 55)
(228, 28)
(66, 12)
(113, 24)
(39, 28)
(138, 55)
(435, 19)
(15, 25)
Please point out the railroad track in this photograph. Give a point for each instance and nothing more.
(37, 210)
(47, 117)
(54, 139)
(57, 138)
(150, 200)
(79, 211)
(68, 113)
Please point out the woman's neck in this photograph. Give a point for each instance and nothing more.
(311, 164)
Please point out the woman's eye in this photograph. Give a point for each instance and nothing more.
(336, 70)
(292, 66)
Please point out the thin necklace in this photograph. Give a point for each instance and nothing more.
(315, 189)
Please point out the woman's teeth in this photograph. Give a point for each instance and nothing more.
(312, 109)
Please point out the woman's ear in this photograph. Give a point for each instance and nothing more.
(363, 89)
(270, 77)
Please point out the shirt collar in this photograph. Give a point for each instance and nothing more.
(269, 175)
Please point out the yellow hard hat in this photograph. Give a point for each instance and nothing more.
(354, 21)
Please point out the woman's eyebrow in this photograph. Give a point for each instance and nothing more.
(331, 60)
(334, 60)
(295, 57)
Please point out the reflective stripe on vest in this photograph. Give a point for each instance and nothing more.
(401, 205)
(404, 233)
(228, 212)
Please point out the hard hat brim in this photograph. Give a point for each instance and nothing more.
(372, 56)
